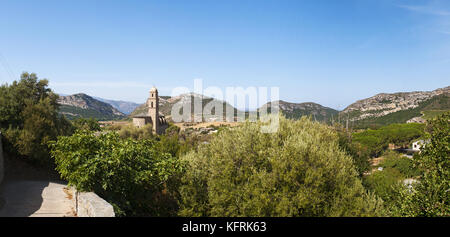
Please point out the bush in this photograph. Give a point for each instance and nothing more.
(89, 124)
(297, 171)
(130, 131)
(403, 164)
(133, 175)
(384, 183)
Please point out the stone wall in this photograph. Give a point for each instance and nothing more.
(141, 121)
(2, 171)
(91, 205)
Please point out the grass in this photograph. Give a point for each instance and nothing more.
(430, 114)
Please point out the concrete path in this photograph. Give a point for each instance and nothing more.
(36, 199)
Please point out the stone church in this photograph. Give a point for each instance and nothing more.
(152, 116)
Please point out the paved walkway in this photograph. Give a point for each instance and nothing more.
(36, 199)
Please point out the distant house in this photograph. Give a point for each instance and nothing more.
(419, 144)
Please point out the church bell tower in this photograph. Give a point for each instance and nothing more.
(153, 108)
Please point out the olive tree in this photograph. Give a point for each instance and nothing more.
(297, 171)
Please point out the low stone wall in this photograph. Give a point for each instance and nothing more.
(91, 205)
(2, 169)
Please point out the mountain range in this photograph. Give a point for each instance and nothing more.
(84, 106)
(125, 107)
(381, 109)
(385, 108)
(166, 104)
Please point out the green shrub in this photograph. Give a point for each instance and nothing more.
(133, 175)
(130, 131)
(403, 164)
(384, 183)
(89, 124)
(297, 171)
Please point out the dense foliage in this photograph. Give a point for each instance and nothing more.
(387, 182)
(401, 163)
(377, 140)
(359, 154)
(297, 171)
(137, 176)
(29, 118)
(384, 184)
(130, 131)
(430, 197)
(89, 124)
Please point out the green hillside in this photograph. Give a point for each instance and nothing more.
(297, 110)
(430, 114)
(325, 114)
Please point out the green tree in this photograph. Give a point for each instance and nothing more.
(133, 175)
(359, 153)
(403, 164)
(376, 141)
(431, 195)
(297, 171)
(29, 118)
(89, 124)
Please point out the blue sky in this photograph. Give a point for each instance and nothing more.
(330, 52)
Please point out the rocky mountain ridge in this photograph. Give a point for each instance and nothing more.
(82, 105)
(386, 103)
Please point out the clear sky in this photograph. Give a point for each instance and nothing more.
(330, 52)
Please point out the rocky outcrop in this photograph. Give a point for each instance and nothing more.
(85, 106)
(384, 104)
(87, 102)
(416, 120)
